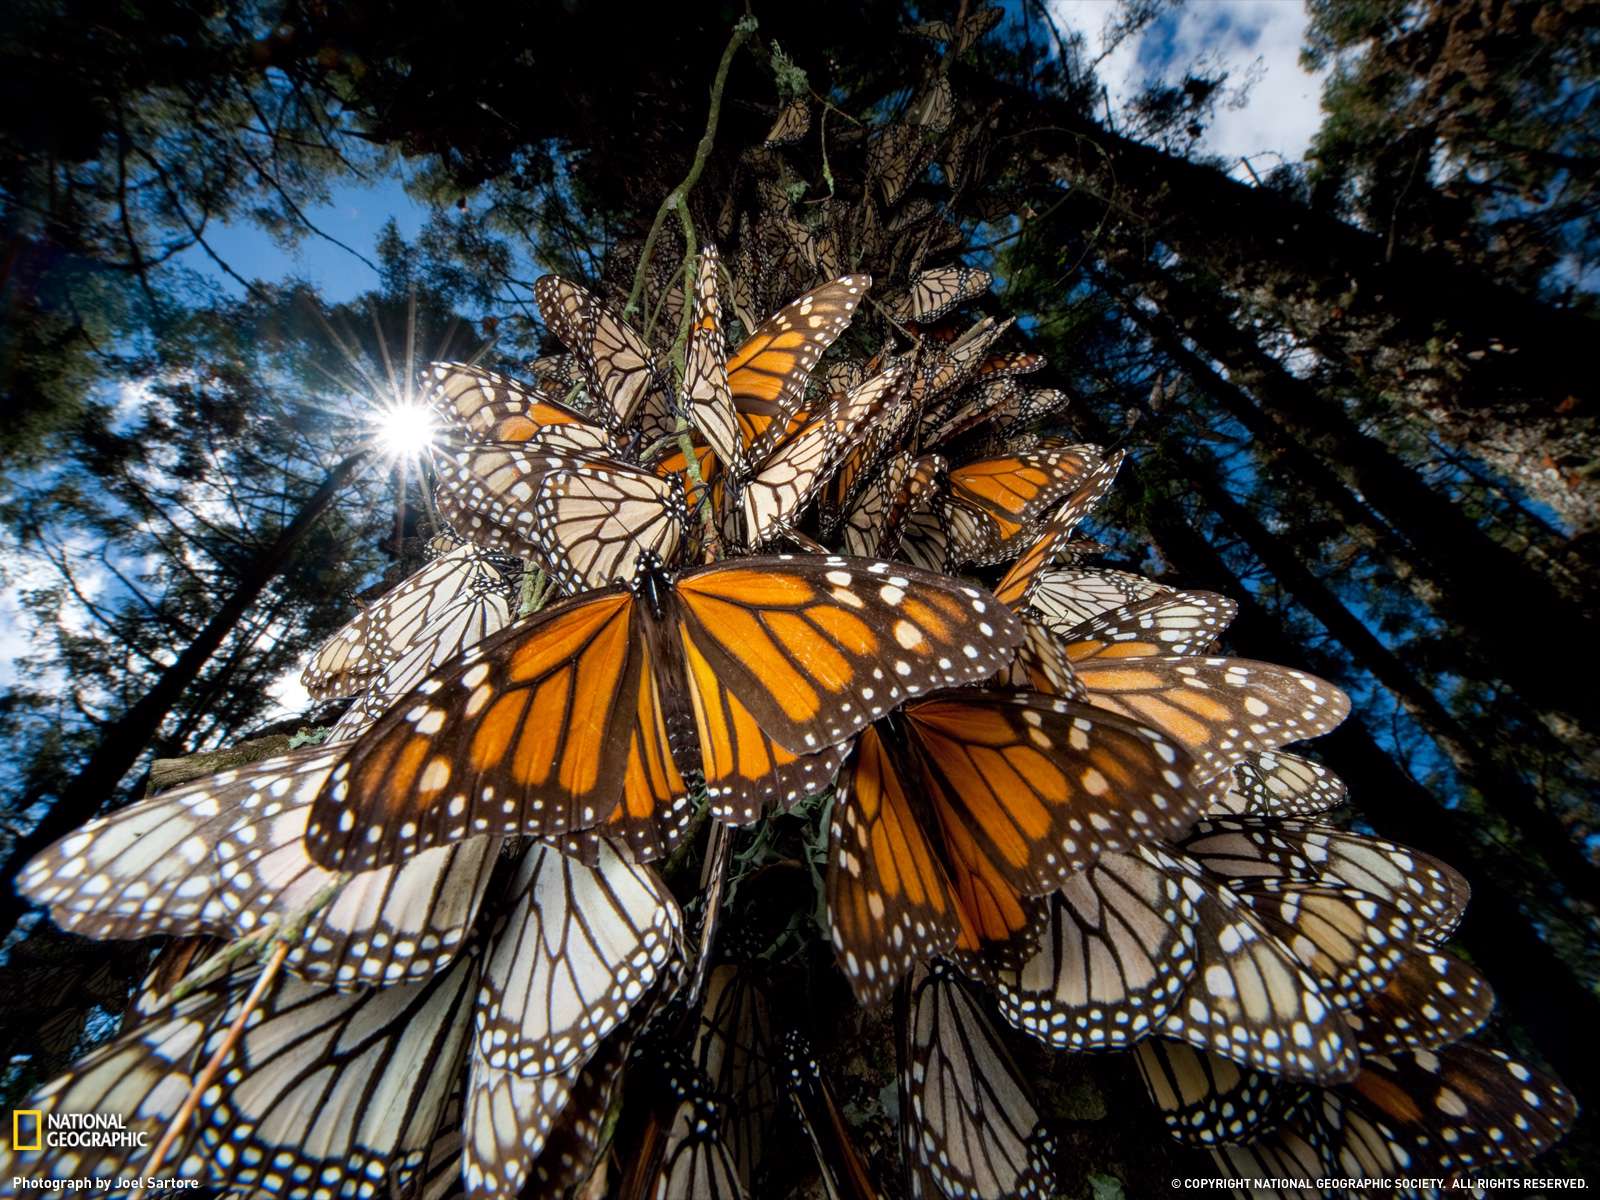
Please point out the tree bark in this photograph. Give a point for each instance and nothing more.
(1484, 586)
(125, 739)
(1492, 368)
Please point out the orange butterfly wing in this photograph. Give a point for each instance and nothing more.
(528, 732)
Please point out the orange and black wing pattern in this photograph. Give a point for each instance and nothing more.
(1022, 580)
(768, 374)
(890, 900)
(487, 407)
(1044, 786)
(527, 732)
(816, 647)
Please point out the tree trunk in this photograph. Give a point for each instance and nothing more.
(1495, 370)
(125, 739)
(1484, 586)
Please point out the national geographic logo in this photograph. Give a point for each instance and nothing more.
(34, 1129)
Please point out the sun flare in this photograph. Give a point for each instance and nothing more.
(405, 430)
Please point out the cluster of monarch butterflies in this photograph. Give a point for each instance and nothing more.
(665, 609)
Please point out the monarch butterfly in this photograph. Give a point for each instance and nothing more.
(942, 371)
(1115, 955)
(683, 1155)
(992, 501)
(844, 1174)
(935, 293)
(966, 32)
(1205, 1100)
(473, 616)
(484, 406)
(767, 375)
(573, 951)
(1431, 894)
(1250, 999)
(707, 392)
(1068, 596)
(969, 408)
(225, 855)
(1028, 406)
(895, 157)
(1176, 623)
(1350, 941)
(455, 583)
(983, 799)
(737, 1050)
(620, 370)
(874, 524)
(773, 661)
(935, 108)
(387, 1062)
(1432, 1000)
(969, 1127)
(574, 1142)
(1198, 700)
(588, 521)
(1017, 586)
(1279, 784)
(1463, 1108)
(793, 123)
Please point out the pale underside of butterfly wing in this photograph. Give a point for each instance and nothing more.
(1430, 1001)
(1280, 784)
(1177, 623)
(619, 367)
(143, 1077)
(785, 483)
(379, 634)
(1249, 999)
(1118, 951)
(1431, 894)
(1068, 596)
(1351, 941)
(386, 1065)
(578, 947)
(705, 377)
(466, 623)
(1205, 1100)
(971, 1122)
(508, 1118)
(589, 521)
(794, 121)
(225, 855)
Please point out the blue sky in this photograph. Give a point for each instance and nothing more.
(353, 215)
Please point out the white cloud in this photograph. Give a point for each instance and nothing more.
(1282, 110)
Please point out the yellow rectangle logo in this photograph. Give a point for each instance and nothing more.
(16, 1128)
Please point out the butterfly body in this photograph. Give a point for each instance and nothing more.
(573, 718)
